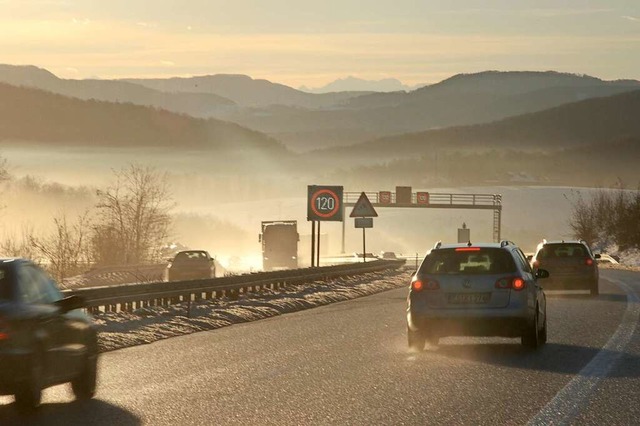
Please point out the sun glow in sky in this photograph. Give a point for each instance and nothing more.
(314, 42)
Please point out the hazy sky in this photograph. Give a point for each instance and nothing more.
(299, 42)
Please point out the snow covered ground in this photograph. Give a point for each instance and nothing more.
(146, 325)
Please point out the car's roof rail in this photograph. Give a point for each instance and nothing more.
(507, 243)
(437, 245)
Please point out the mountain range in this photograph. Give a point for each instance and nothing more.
(532, 113)
(246, 91)
(306, 121)
(460, 100)
(354, 84)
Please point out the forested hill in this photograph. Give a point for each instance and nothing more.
(34, 115)
(599, 120)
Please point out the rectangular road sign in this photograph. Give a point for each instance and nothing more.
(324, 203)
(384, 197)
(403, 195)
(422, 197)
(364, 222)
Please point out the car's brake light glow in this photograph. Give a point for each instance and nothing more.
(419, 285)
(468, 249)
(518, 284)
(4, 330)
(515, 283)
(588, 261)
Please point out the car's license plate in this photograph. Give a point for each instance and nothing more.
(469, 298)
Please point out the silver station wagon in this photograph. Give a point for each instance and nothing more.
(469, 289)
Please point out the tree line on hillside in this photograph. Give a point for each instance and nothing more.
(128, 225)
(34, 115)
(609, 217)
(579, 166)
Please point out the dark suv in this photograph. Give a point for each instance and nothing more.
(571, 264)
(45, 339)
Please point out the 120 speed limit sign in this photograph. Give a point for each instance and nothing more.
(324, 203)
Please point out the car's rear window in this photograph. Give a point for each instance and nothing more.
(484, 261)
(190, 256)
(551, 251)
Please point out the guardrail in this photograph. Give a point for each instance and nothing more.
(127, 297)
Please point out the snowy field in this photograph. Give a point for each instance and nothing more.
(147, 325)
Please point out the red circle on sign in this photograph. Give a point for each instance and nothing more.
(333, 195)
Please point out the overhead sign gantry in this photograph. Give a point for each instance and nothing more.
(404, 197)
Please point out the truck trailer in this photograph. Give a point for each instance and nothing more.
(279, 244)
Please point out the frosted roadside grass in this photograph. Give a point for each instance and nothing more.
(147, 325)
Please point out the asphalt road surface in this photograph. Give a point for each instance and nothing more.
(348, 363)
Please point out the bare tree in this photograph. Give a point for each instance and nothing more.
(584, 221)
(133, 217)
(66, 250)
(20, 245)
(609, 216)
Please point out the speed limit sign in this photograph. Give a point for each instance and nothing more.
(324, 203)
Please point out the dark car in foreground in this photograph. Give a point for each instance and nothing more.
(191, 265)
(476, 290)
(571, 264)
(45, 338)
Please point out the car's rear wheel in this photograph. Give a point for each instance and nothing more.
(84, 385)
(416, 339)
(543, 333)
(595, 291)
(29, 393)
(531, 336)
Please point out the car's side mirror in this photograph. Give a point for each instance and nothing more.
(70, 303)
(542, 273)
(597, 256)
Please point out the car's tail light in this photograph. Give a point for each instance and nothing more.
(419, 285)
(468, 249)
(432, 285)
(518, 284)
(515, 283)
(4, 330)
(588, 261)
(503, 283)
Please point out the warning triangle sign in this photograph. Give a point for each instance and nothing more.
(363, 208)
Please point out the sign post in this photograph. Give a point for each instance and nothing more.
(313, 243)
(324, 204)
(364, 213)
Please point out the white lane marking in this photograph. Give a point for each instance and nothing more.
(567, 403)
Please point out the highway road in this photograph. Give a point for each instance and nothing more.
(348, 363)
